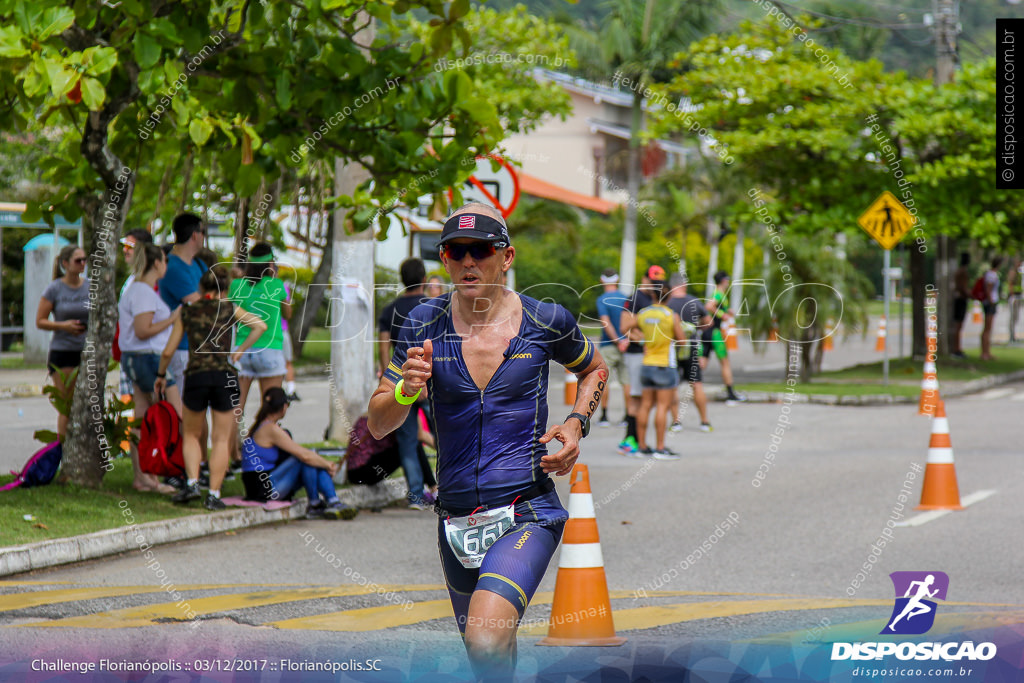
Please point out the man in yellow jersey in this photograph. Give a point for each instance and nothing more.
(658, 376)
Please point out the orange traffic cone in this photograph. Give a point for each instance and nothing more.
(826, 343)
(773, 334)
(929, 390)
(940, 491)
(581, 612)
(570, 388)
(880, 340)
(126, 445)
(976, 313)
(731, 342)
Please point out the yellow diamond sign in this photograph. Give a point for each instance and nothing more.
(887, 220)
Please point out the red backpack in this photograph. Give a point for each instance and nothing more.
(978, 291)
(160, 442)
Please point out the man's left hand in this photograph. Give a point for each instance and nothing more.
(568, 434)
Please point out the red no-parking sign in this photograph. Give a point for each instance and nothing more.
(499, 188)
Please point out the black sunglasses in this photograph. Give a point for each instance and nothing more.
(78, 260)
(478, 250)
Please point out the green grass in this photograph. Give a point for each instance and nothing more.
(18, 363)
(1008, 359)
(63, 510)
(317, 348)
(840, 389)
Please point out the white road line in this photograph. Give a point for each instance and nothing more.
(992, 394)
(932, 515)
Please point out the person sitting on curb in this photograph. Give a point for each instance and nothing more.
(273, 464)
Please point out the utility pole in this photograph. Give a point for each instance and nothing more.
(947, 26)
(351, 376)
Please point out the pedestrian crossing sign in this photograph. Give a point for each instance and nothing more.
(887, 220)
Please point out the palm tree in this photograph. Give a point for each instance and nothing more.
(636, 42)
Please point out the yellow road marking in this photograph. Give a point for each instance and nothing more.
(858, 630)
(148, 615)
(640, 618)
(15, 601)
(371, 618)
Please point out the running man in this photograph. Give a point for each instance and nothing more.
(914, 605)
(482, 352)
(712, 339)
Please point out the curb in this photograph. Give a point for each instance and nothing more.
(21, 391)
(25, 558)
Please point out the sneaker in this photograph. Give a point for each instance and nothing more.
(706, 427)
(628, 446)
(621, 424)
(187, 494)
(644, 453)
(315, 510)
(339, 510)
(213, 504)
(419, 507)
(292, 397)
(176, 482)
(204, 475)
(603, 423)
(733, 396)
(676, 427)
(666, 454)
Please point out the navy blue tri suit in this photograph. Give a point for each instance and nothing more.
(488, 449)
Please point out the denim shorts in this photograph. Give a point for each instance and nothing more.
(653, 377)
(262, 363)
(141, 368)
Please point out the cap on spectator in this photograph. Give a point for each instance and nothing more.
(655, 272)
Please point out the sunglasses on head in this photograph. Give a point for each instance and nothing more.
(478, 250)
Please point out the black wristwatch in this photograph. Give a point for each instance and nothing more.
(584, 421)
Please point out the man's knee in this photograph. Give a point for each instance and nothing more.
(489, 641)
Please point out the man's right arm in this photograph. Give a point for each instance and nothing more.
(386, 414)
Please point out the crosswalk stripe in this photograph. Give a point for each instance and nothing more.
(148, 615)
(15, 601)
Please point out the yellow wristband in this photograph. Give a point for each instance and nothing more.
(402, 398)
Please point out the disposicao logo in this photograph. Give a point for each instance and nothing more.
(914, 614)
(914, 611)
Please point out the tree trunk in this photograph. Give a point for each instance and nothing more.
(87, 452)
(315, 294)
(627, 265)
(918, 345)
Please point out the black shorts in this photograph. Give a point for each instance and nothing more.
(989, 308)
(56, 360)
(216, 390)
(689, 366)
(959, 310)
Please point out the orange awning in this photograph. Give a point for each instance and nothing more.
(541, 188)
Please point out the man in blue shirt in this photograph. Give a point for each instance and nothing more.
(610, 305)
(483, 352)
(180, 284)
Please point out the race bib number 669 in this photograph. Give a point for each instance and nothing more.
(469, 537)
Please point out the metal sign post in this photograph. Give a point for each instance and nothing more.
(886, 261)
(887, 220)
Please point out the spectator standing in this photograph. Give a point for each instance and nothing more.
(658, 376)
(392, 318)
(610, 305)
(67, 300)
(180, 284)
(988, 305)
(262, 293)
(633, 356)
(694, 317)
(1015, 289)
(712, 339)
(132, 238)
(211, 382)
(274, 465)
(961, 295)
(144, 324)
(286, 349)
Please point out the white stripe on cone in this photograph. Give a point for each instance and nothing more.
(940, 425)
(580, 556)
(940, 456)
(929, 383)
(581, 506)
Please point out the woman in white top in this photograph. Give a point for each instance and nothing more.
(145, 322)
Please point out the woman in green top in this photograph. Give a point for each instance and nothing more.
(262, 293)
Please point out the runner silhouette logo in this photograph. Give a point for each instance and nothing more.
(914, 611)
